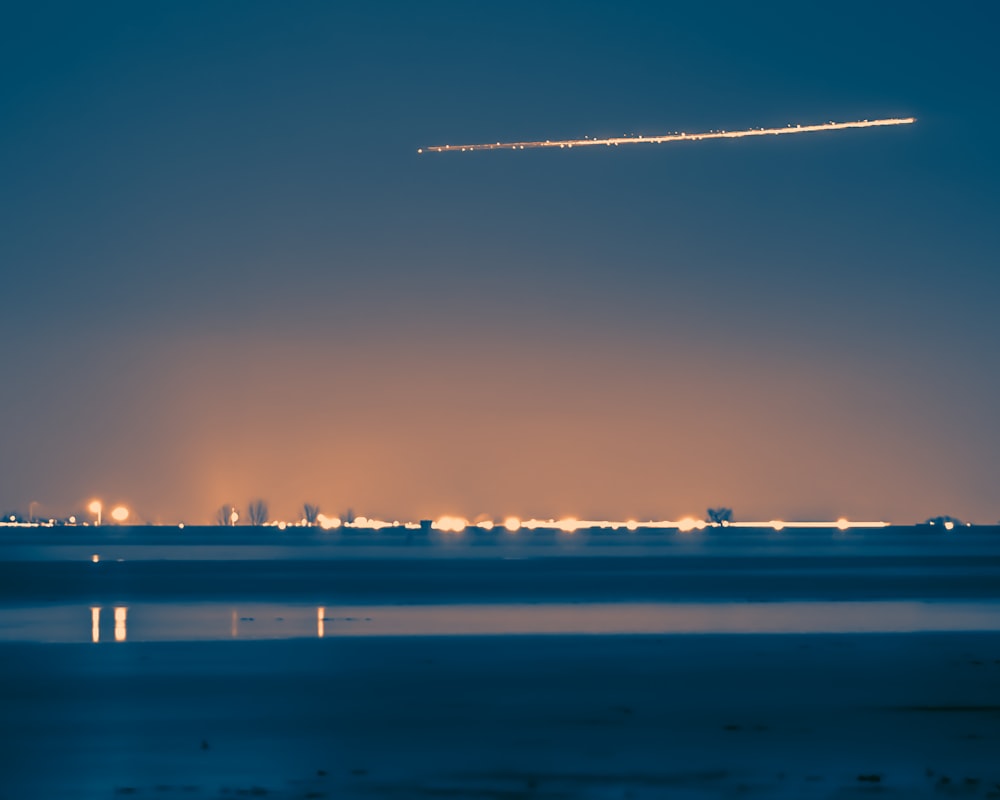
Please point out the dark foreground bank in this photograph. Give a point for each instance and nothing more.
(506, 717)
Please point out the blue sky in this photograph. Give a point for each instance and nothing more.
(228, 274)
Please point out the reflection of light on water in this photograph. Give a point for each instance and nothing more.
(184, 622)
(121, 612)
(234, 625)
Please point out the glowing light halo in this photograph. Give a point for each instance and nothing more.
(670, 137)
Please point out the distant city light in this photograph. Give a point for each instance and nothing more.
(452, 524)
(119, 513)
(96, 508)
(512, 524)
(327, 523)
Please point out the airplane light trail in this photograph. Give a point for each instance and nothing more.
(671, 137)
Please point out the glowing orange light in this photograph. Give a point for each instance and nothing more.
(119, 513)
(512, 524)
(568, 525)
(843, 524)
(777, 524)
(689, 524)
(327, 523)
(631, 525)
(452, 524)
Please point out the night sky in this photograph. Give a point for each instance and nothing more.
(226, 273)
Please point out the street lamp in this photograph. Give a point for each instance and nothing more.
(95, 507)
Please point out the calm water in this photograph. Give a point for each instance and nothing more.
(160, 622)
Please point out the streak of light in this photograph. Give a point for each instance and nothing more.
(841, 524)
(95, 624)
(670, 137)
(320, 619)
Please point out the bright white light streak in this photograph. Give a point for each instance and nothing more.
(671, 137)
(320, 619)
(95, 624)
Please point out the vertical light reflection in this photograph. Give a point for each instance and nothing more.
(234, 625)
(121, 612)
(95, 624)
(320, 616)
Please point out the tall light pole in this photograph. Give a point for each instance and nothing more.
(95, 507)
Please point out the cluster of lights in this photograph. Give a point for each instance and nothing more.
(512, 524)
(452, 524)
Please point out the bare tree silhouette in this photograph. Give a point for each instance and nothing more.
(224, 516)
(720, 516)
(945, 521)
(257, 512)
(310, 513)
